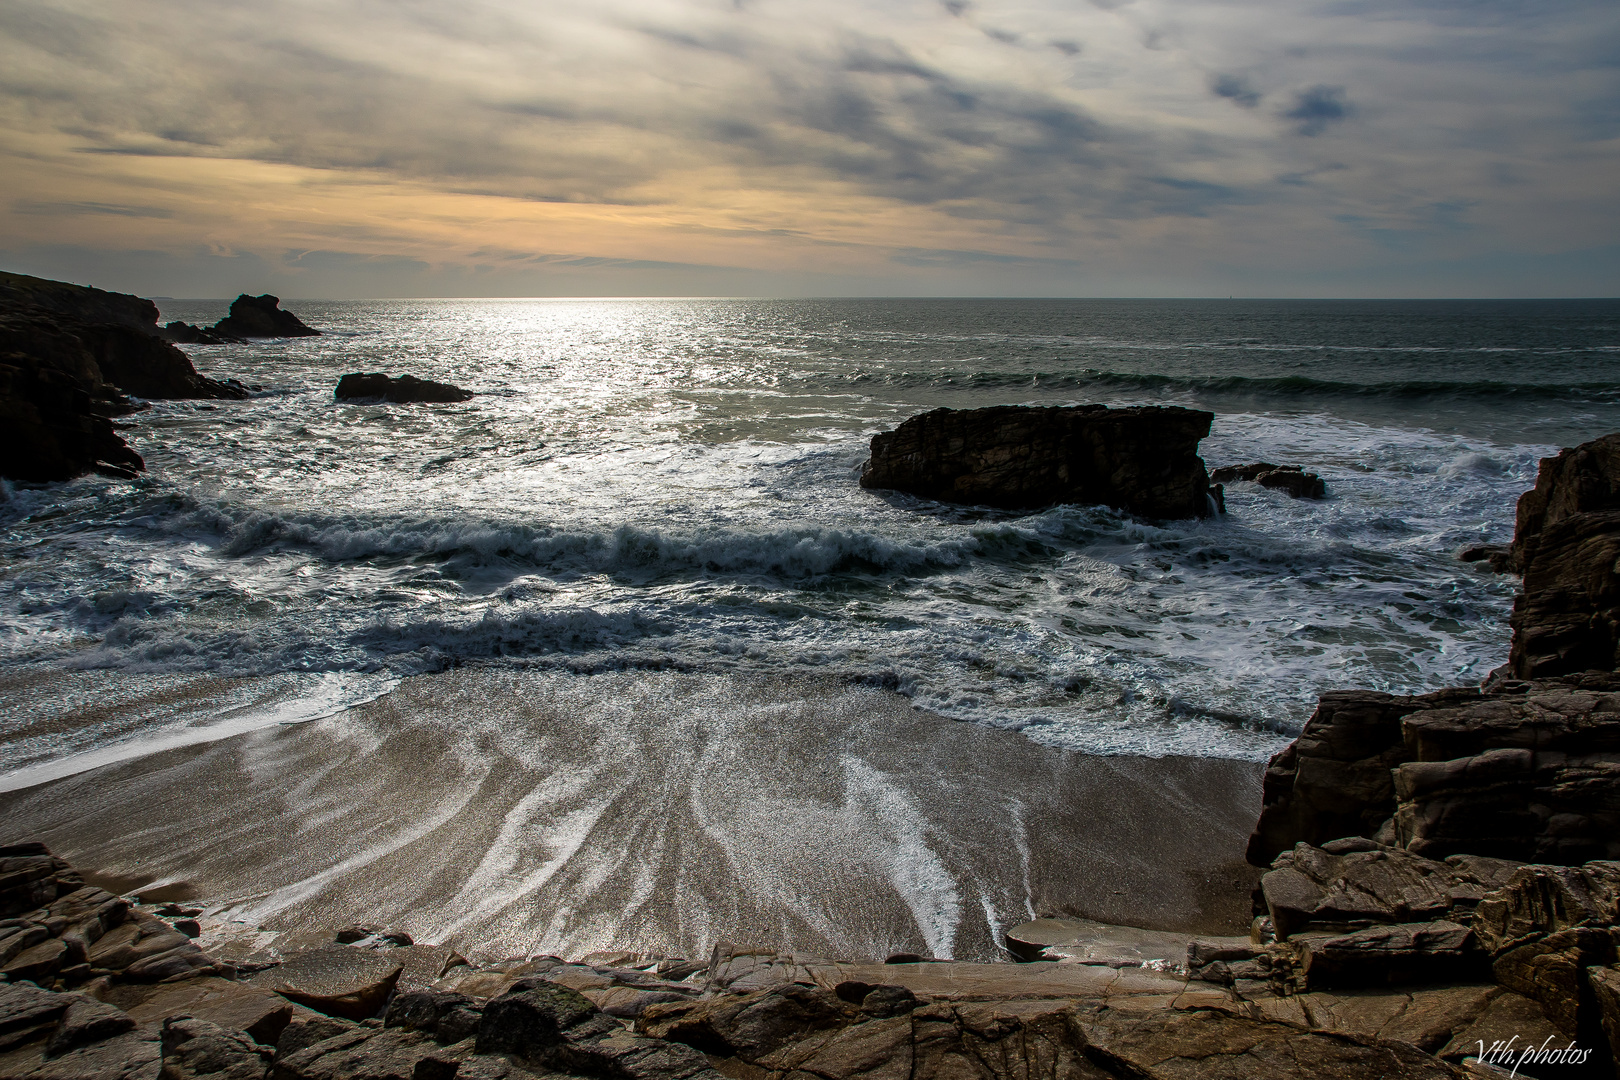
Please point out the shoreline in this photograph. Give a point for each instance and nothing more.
(650, 812)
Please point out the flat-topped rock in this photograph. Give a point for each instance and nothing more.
(376, 386)
(1143, 460)
(338, 980)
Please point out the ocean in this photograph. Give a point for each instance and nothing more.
(646, 486)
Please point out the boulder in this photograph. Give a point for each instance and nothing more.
(1314, 889)
(1143, 460)
(338, 980)
(311, 1028)
(135, 1055)
(1290, 478)
(196, 1048)
(376, 386)
(446, 1017)
(260, 317)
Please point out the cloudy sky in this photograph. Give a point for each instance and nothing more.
(758, 147)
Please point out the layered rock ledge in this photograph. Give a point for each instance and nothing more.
(1143, 460)
(101, 985)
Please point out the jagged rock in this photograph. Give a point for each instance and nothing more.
(101, 354)
(81, 301)
(50, 430)
(28, 1013)
(1290, 478)
(1438, 951)
(1567, 618)
(1334, 780)
(750, 1025)
(86, 1021)
(261, 317)
(446, 1017)
(1313, 889)
(305, 1031)
(1143, 460)
(38, 964)
(196, 1048)
(147, 949)
(1498, 556)
(1210, 1045)
(338, 980)
(1542, 900)
(376, 386)
(184, 333)
(535, 1019)
(1579, 480)
(135, 1055)
(1526, 771)
(1605, 986)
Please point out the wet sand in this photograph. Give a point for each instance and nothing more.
(519, 812)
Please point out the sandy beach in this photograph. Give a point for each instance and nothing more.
(531, 813)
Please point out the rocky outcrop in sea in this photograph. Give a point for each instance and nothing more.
(1143, 460)
(257, 317)
(402, 389)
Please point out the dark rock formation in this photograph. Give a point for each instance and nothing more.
(376, 386)
(1567, 618)
(1581, 480)
(1527, 771)
(1144, 460)
(185, 333)
(19, 292)
(1290, 478)
(1543, 932)
(260, 317)
(66, 374)
(51, 430)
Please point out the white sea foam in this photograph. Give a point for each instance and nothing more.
(675, 487)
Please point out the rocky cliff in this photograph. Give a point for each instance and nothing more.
(1143, 460)
(71, 354)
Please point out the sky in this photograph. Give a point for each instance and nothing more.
(380, 148)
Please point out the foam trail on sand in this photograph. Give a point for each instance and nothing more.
(317, 699)
(538, 812)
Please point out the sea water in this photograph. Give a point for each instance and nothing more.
(652, 485)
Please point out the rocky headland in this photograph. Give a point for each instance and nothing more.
(71, 357)
(1143, 460)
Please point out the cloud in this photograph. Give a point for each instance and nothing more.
(836, 131)
(1315, 109)
(1235, 88)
